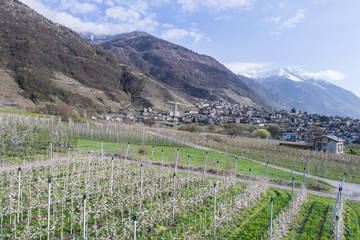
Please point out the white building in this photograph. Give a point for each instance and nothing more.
(289, 137)
(330, 144)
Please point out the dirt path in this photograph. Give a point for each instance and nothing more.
(351, 191)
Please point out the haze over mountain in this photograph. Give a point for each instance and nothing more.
(293, 87)
(181, 69)
(49, 64)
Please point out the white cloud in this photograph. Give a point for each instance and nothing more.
(329, 75)
(122, 14)
(245, 67)
(274, 19)
(84, 8)
(167, 25)
(282, 4)
(176, 34)
(222, 18)
(293, 21)
(195, 5)
(120, 20)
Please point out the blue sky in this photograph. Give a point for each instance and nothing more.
(320, 36)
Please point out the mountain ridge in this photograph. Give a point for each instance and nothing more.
(296, 88)
(33, 50)
(182, 69)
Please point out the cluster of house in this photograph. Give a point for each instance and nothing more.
(346, 130)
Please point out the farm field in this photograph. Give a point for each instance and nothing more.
(56, 189)
(168, 154)
(331, 166)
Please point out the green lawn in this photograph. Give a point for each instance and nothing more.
(197, 159)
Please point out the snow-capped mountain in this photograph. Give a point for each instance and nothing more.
(293, 87)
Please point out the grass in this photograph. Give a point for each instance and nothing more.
(197, 159)
(258, 225)
(27, 114)
(352, 220)
(354, 150)
(313, 220)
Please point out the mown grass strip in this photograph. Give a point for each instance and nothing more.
(313, 220)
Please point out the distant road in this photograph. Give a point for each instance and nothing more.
(351, 191)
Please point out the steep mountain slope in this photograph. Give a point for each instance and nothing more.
(44, 58)
(293, 87)
(182, 69)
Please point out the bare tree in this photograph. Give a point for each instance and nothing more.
(234, 129)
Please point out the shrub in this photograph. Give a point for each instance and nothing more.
(261, 133)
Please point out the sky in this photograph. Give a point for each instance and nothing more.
(320, 36)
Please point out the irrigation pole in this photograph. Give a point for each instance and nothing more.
(112, 176)
(334, 209)
(141, 179)
(19, 195)
(217, 172)
(162, 161)
(337, 227)
(342, 182)
(188, 170)
(292, 187)
(126, 155)
(249, 176)
(271, 215)
(134, 218)
(203, 180)
(176, 160)
(152, 153)
(68, 159)
(49, 199)
(51, 151)
(174, 196)
(214, 207)
(267, 165)
(235, 171)
(304, 176)
(102, 150)
(84, 217)
(89, 162)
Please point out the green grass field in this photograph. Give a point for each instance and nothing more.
(197, 159)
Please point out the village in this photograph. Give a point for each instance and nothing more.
(298, 125)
